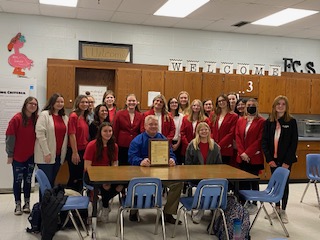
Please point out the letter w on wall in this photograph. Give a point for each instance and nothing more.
(175, 65)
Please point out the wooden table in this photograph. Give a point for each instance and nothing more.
(123, 174)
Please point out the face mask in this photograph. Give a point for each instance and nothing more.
(252, 110)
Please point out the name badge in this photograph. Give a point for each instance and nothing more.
(285, 126)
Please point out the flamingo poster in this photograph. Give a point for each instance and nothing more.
(18, 60)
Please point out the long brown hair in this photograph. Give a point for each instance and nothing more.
(111, 146)
(164, 110)
(273, 116)
(218, 109)
(34, 115)
(52, 100)
(76, 108)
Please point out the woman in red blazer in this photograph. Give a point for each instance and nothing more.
(126, 126)
(190, 123)
(166, 123)
(223, 125)
(249, 131)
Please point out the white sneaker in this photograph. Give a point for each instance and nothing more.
(252, 209)
(197, 217)
(17, 210)
(273, 215)
(105, 214)
(284, 216)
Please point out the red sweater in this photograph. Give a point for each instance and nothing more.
(25, 138)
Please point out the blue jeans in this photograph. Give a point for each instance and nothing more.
(51, 170)
(22, 171)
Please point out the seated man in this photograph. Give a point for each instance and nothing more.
(138, 156)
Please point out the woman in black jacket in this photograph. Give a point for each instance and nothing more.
(279, 144)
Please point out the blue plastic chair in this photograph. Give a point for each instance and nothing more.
(313, 173)
(211, 194)
(72, 203)
(272, 194)
(142, 193)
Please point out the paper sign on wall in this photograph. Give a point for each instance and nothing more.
(95, 91)
(151, 96)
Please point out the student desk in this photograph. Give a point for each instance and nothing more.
(123, 174)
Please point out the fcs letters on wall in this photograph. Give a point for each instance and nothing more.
(225, 67)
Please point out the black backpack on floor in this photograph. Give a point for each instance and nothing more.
(35, 219)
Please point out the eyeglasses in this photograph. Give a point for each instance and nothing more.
(33, 104)
(223, 100)
(173, 102)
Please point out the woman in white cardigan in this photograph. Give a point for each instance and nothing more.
(52, 139)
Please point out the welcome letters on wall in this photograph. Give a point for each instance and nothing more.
(225, 67)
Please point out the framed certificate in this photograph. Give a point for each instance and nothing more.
(159, 152)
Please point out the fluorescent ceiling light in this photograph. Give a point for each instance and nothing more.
(63, 3)
(179, 8)
(284, 16)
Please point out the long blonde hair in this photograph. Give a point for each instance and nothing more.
(273, 115)
(196, 140)
(185, 110)
(190, 113)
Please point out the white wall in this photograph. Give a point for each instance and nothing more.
(48, 37)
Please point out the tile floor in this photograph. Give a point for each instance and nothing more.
(304, 222)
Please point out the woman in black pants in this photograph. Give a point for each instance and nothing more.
(279, 144)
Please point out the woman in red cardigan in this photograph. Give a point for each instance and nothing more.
(190, 123)
(126, 126)
(166, 123)
(249, 131)
(223, 125)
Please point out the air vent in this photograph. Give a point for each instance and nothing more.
(240, 24)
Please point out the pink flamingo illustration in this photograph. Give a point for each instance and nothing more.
(18, 60)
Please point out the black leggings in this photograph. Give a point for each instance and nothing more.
(75, 171)
(285, 197)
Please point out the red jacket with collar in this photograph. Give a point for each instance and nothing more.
(187, 133)
(250, 143)
(225, 134)
(123, 130)
(168, 128)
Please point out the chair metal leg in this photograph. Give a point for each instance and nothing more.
(317, 192)
(121, 225)
(255, 218)
(118, 221)
(75, 224)
(282, 225)
(224, 223)
(212, 221)
(186, 223)
(82, 223)
(163, 225)
(267, 214)
(305, 190)
(157, 222)
(176, 223)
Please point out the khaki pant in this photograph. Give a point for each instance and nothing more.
(173, 197)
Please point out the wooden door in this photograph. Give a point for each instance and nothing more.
(173, 83)
(152, 80)
(232, 83)
(212, 86)
(314, 99)
(61, 79)
(193, 85)
(298, 93)
(269, 88)
(127, 81)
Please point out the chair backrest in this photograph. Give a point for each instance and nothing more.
(277, 184)
(211, 194)
(144, 193)
(43, 181)
(313, 166)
